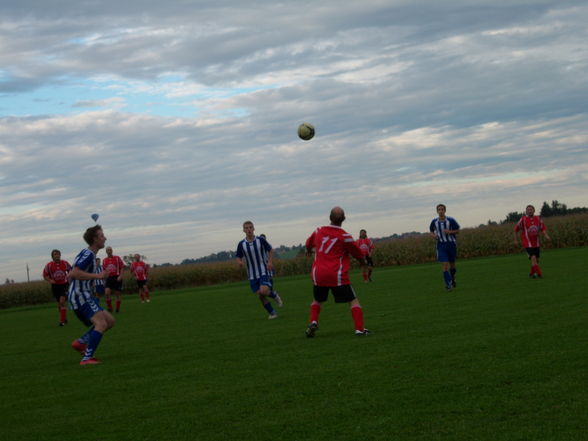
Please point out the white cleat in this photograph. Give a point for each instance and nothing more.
(279, 301)
(272, 316)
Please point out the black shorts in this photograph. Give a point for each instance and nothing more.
(369, 260)
(113, 283)
(342, 294)
(59, 290)
(141, 283)
(533, 252)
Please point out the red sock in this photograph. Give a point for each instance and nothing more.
(117, 305)
(537, 270)
(62, 315)
(146, 293)
(109, 304)
(142, 297)
(357, 314)
(315, 310)
(364, 275)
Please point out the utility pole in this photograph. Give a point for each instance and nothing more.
(28, 278)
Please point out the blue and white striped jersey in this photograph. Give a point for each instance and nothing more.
(256, 254)
(81, 291)
(98, 270)
(437, 226)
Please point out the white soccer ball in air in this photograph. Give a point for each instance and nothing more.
(306, 131)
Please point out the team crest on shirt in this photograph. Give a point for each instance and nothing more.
(533, 230)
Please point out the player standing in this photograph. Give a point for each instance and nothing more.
(55, 272)
(82, 300)
(366, 246)
(530, 226)
(332, 247)
(98, 283)
(115, 267)
(140, 271)
(257, 254)
(445, 229)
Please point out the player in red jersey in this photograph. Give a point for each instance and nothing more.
(140, 271)
(366, 246)
(55, 272)
(530, 226)
(115, 267)
(332, 247)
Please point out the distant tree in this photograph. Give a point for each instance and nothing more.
(513, 216)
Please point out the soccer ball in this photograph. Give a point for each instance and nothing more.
(306, 131)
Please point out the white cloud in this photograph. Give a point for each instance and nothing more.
(479, 104)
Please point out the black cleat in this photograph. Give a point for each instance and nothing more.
(362, 333)
(310, 331)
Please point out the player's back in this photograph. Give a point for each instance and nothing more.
(332, 246)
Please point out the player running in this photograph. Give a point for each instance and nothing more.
(366, 246)
(257, 254)
(55, 272)
(445, 229)
(530, 226)
(332, 247)
(115, 267)
(82, 300)
(140, 271)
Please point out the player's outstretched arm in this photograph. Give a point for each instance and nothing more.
(79, 274)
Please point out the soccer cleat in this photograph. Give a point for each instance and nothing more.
(90, 361)
(148, 301)
(272, 316)
(449, 287)
(278, 300)
(310, 331)
(61, 324)
(78, 346)
(364, 332)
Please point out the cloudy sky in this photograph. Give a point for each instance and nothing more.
(176, 120)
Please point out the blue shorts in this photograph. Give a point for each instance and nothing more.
(87, 311)
(446, 251)
(256, 283)
(100, 290)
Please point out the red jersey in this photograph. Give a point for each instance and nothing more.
(140, 270)
(57, 271)
(530, 228)
(332, 246)
(365, 245)
(114, 265)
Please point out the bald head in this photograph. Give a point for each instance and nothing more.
(337, 216)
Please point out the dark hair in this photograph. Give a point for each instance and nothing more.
(55, 251)
(362, 231)
(530, 206)
(247, 223)
(91, 234)
(441, 205)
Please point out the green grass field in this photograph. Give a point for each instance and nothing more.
(502, 357)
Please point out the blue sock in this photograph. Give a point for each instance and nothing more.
(269, 308)
(453, 271)
(85, 339)
(447, 277)
(95, 338)
(273, 295)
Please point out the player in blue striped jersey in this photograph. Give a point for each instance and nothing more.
(257, 254)
(81, 296)
(445, 229)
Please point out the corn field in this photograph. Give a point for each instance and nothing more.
(565, 231)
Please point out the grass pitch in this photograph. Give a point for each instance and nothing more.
(502, 357)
